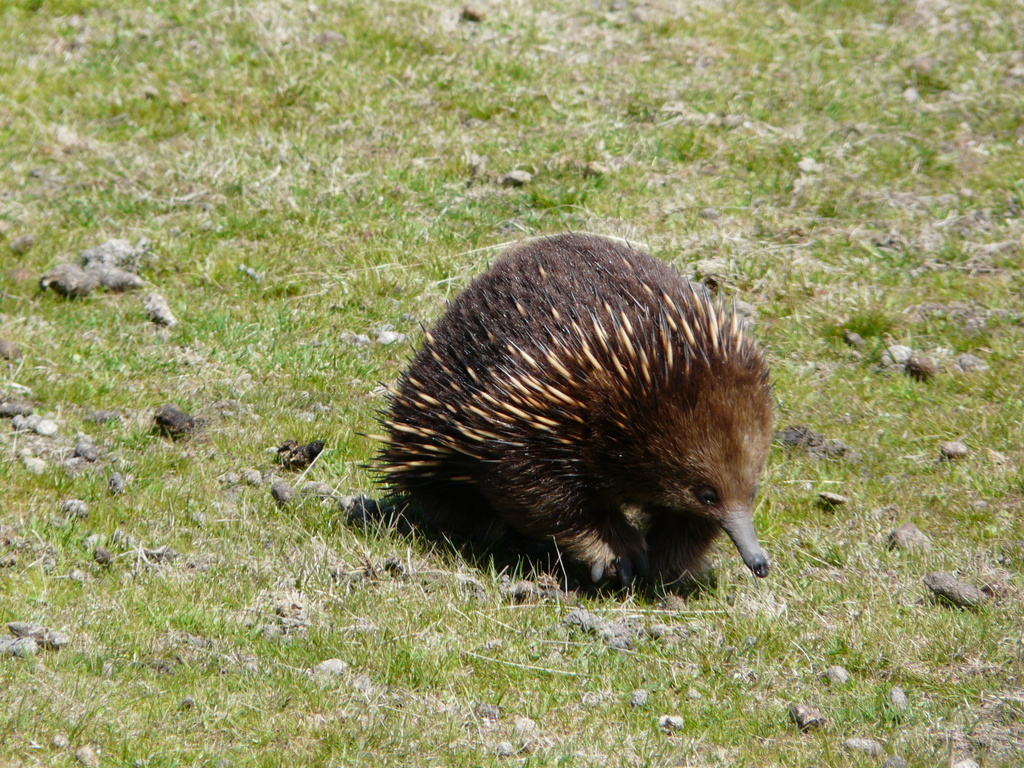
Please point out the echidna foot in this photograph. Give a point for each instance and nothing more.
(626, 567)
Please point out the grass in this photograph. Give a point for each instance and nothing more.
(352, 156)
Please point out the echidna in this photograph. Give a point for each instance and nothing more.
(577, 380)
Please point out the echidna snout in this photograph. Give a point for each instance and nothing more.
(579, 378)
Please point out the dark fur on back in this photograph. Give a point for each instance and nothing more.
(576, 379)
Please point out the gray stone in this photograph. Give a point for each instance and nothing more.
(864, 746)
(947, 587)
(671, 723)
(837, 675)
(639, 698)
(898, 699)
(953, 450)
(909, 537)
(806, 717)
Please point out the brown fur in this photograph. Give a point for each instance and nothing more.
(577, 379)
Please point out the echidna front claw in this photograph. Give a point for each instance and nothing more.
(630, 568)
(597, 572)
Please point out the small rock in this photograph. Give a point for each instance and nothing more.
(895, 761)
(946, 586)
(810, 165)
(116, 483)
(639, 698)
(282, 493)
(295, 456)
(102, 417)
(114, 279)
(22, 243)
(898, 699)
(953, 449)
(33, 464)
(252, 477)
(594, 169)
(585, 620)
(330, 668)
(9, 410)
(671, 723)
(230, 478)
(9, 350)
(77, 574)
(158, 310)
(70, 281)
(473, 13)
(967, 363)
(837, 675)
(830, 500)
(173, 423)
(161, 554)
(187, 703)
(43, 637)
(806, 717)
(102, 555)
(966, 763)
(524, 726)
(489, 713)
(921, 368)
(45, 428)
(815, 444)
(389, 337)
(75, 508)
(60, 741)
(86, 449)
(517, 178)
(854, 339)
(87, 756)
(865, 746)
(910, 95)
(18, 646)
(897, 354)
(359, 509)
(909, 537)
(504, 749)
(8, 560)
(116, 252)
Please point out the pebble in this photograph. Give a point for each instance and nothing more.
(114, 279)
(103, 416)
(9, 410)
(359, 509)
(806, 717)
(854, 339)
(317, 490)
(86, 449)
(75, 508)
(898, 699)
(832, 500)
(897, 354)
(87, 756)
(504, 749)
(524, 727)
(188, 702)
(291, 455)
(158, 310)
(585, 620)
(866, 746)
(968, 363)
(837, 675)
(282, 493)
(959, 593)
(895, 761)
(909, 537)
(671, 723)
(810, 165)
(116, 252)
(966, 763)
(22, 243)
(8, 560)
(9, 350)
(639, 698)
(116, 483)
(18, 646)
(77, 574)
(60, 741)
(252, 477)
(43, 637)
(33, 464)
(330, 668)
(389, 337)
(69, 281)
(517, 178)
(953, 449)
(102, 555)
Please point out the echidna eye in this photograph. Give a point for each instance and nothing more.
(707, 496)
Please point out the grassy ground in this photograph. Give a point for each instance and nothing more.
(836, 165)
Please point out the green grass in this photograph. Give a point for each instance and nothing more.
(342, 171)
